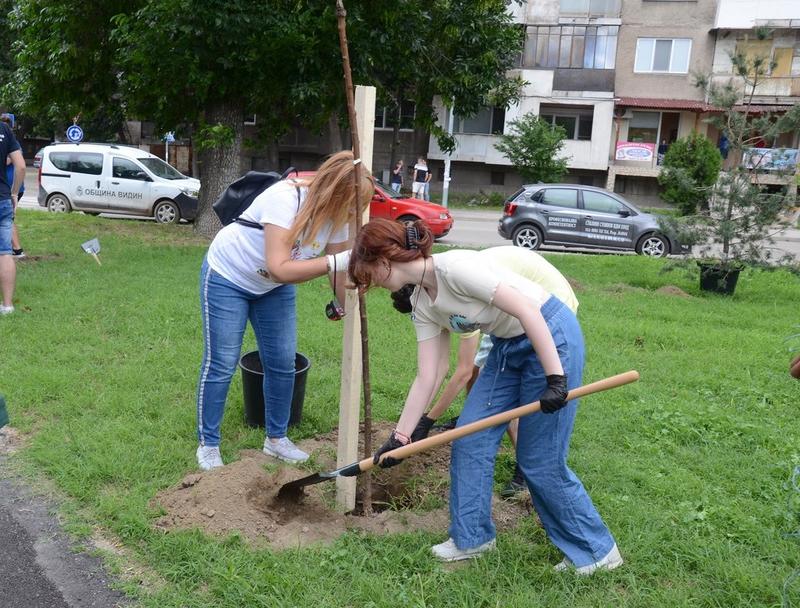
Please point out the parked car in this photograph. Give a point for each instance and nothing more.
(387, 203)
(109, 178)
(572, 215)
(37, 158)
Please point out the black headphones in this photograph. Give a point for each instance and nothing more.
(333, 309)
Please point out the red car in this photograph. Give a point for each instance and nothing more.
(388, 204)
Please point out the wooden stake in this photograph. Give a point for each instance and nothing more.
(348, 406)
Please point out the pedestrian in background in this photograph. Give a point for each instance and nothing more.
(396, 181)
(9, 192)
(16, 248)
(428, 179)
(420, 177)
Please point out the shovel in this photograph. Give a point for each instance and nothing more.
(294, 489)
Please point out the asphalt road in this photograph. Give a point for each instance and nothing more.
(39, 566)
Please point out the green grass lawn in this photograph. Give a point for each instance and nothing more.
(689, 467)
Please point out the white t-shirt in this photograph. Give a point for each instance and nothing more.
(237, 252)
(466, 283)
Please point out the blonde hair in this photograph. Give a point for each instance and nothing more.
(331, 197)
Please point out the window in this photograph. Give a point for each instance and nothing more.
(591, 8)
(567, 46)
(126, 169)
(560, 197)
(576, 120)
(84, 162)
(600, 203)
(250, 119)
(643, 127)
(61, 160)
(386, 117)
(665, 55)
(489, 121)
(497, 178)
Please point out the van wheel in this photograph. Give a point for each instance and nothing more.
(58, 203)
(167, 212)
(527, 237)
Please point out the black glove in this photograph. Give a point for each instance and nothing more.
(555, 397)
(423, 428)
(388, 445)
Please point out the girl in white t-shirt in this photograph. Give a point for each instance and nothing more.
(538, 353)
(249, 274)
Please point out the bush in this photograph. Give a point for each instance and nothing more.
(691, 167)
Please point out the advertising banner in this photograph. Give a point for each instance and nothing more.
(770, 159)
(635, 151)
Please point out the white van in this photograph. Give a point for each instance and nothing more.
(109, 178)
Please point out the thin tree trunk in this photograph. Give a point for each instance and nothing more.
(219, 166)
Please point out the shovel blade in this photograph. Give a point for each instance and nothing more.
(293, 490)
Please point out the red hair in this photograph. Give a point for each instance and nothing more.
(381, 242)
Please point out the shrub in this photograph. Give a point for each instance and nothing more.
(691, 167)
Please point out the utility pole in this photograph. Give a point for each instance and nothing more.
(446, 186)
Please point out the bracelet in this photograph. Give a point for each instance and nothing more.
(404, 439)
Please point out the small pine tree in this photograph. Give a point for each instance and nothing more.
(691, 168)
(533, 146)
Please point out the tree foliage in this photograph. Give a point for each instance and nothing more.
(691, 166)
(197, 66)
(743, 214)
(533, 146)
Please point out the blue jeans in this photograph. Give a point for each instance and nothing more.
(6, 223)
(226, 309)
(396, 186)
(513, 376)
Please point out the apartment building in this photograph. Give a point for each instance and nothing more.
(568, 62)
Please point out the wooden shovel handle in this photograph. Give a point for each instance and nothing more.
(501, 418)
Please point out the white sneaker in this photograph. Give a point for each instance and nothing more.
(285, 450)
(612, 560)
(448, 552)
(6, 310)
(208, 457)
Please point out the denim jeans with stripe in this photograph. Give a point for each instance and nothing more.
(513, 376)
(226, 309)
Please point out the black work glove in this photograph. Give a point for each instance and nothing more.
(388, 445)
(555, 397)
(423, 428)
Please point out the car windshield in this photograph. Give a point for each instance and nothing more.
(387, 190)
(161, 169)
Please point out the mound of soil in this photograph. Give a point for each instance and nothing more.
(242, 497)
(672, 290)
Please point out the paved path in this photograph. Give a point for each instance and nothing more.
(39, 566)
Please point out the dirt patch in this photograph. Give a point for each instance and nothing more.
(47, 257)
(577, 286)
(11, 440)
(673, 290)
(241, 497)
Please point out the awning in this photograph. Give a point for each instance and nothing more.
(690, 105)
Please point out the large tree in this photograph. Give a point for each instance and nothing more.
(533, 147)
(197, 66)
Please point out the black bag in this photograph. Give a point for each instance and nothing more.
(237, 197)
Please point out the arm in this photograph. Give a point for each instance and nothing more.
(280, 265)
(19, 171)
(510, 301)
(422, 390)
(330, 249)
(466, 356)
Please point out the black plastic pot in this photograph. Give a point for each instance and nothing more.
(253, 383)
(718, 279)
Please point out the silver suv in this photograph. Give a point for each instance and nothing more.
(572, 215)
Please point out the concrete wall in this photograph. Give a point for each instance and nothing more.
(647, 19)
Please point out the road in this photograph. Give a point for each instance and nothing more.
(471, 228)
